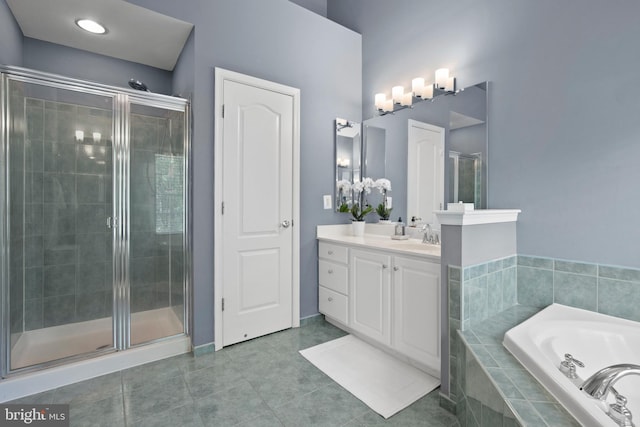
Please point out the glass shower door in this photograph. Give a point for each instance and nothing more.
(59, 180)
(157, 221)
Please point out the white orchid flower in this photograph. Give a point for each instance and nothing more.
(383, 185)
(344, 185)
(368, 184)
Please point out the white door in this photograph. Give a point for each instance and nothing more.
(369, 295)
(416, 307)
(425, 171)
(257, 216)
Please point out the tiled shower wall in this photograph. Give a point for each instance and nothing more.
(61, 195)
(67, 197)
(156, 213)
(16, 214)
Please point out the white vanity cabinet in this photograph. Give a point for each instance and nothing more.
(333, 278)
(370, 290)
(385, 297)
(416, 309)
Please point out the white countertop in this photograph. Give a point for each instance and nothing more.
(378, 237)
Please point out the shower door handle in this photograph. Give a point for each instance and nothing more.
(112, 222)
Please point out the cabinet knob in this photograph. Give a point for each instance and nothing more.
(330, 299)
(330, 271)
(396, 268)
(330, 252)
(385, 266)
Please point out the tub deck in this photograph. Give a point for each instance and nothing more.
(525, 401)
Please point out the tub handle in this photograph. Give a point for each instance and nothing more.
(569, 358)
(568, 366)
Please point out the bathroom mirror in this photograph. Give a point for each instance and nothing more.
(463, 117)
(374, 152)
(348, 155)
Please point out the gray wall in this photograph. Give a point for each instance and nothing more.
(278, 41)
(563, 106)
(316, 6)
(70, 62)
(10, 37)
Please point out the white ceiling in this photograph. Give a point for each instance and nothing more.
(134, 33)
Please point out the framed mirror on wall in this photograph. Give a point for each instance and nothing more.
(463, 175)
(348, 159)
(360, 152)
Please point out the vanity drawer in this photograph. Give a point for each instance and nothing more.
(333, 276)
(333, 304)
(333, 252)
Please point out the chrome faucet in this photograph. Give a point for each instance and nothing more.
(429, 236)
(426, 229)
(600, 383)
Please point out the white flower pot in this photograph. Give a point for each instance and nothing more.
(384, 221)
(357, 228)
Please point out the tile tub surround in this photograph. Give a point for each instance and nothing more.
(493, 388)
(476, 293)
(538, 282)
(602, 288)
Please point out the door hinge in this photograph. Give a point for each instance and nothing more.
(223, 111)
(222, 208)
(222, 304)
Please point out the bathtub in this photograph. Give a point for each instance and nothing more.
(597, 340)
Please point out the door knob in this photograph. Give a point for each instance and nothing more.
(285, 223)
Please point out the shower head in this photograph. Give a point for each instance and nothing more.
(138, 85)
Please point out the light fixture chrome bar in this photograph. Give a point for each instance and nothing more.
(444, 85)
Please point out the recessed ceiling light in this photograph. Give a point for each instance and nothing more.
(91, 26)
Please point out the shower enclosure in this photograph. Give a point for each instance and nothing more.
(465, 177)
(94, 219)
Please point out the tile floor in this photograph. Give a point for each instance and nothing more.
(262, 382)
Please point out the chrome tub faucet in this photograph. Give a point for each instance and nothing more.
(600, 383)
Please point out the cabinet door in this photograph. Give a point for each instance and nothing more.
(369, 294)
(416, 310)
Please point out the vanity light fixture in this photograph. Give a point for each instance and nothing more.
(442, 75)
(91, 26)
(343, 163)
(444, 85)
(383, 104)
(396, 93)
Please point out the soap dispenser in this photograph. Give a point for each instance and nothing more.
(400, 227)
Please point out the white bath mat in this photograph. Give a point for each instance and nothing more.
(384, 383)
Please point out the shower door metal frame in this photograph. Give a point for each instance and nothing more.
(122, 98)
